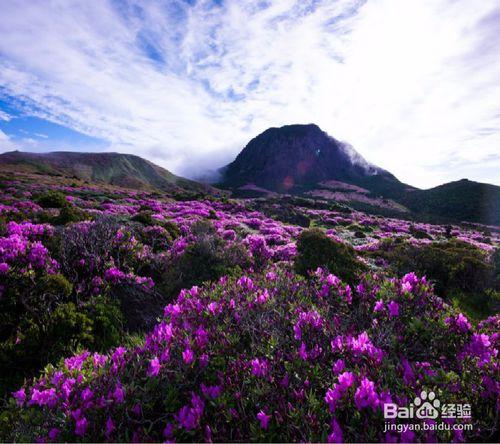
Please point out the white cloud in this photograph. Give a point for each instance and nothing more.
(4, 116)
(6, 144)
(412, 85)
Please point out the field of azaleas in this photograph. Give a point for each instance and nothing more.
(103, 336)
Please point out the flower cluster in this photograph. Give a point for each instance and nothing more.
(220, 367)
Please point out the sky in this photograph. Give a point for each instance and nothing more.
(412, 85)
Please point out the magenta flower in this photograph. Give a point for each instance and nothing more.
(110, 427)
(463, 323)
(303, 352)
(393, 309)
(263, 419)
(259, 367)
(81, 426)
(338, 366)
(336, 434)
(188, 356)
(54, 433)
(4, 268)
(365, 395)
(346, 380)
(379, 305)
(20, 396)
(154, 367)
(119, 394)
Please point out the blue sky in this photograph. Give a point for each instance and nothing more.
(413, 85)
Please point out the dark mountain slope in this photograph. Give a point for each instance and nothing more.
(112, 168)
(295, 158)
(463, 200)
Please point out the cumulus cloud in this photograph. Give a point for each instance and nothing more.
(412, 85)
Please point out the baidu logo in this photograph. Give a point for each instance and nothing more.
(429, 409)
(427, 406)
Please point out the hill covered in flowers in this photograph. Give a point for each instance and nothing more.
(139, 316)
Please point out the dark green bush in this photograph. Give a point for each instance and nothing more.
(315, 249)
(107, 323)
(69, 214)
(51, 199)
(42, 322)
(207, 258)
(145, 218)
(419, 234)
(452, 266)
(37, 342)
(172, 228)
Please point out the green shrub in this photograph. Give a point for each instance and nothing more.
(145, 218)
(37, 342)
(42, 321)
(452, 265)
(107, 323)
(69, 214)
(315, 249)
(419, 234)
(172, 228)
(206, 259)
(51, 199)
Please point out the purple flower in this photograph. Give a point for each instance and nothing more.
(54, 433)
(20, 396)
(332, 280)
(4, 268)
(110, 427)
(379, 305)
(188, 356)
(338, 366)
(81, 426)
(393, 309)
(333, 395)
(259, 367)
(336, 434)
(303, 352)
(114, 275)
(168, 431)
(409, 281)
(119, 394)
(154, 367)
(365, 395)
(346, 379)
(264, 419)
(463, 323)
(44, 397)
(87, 394)
(211, 391)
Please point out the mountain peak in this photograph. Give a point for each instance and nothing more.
(294, 157)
